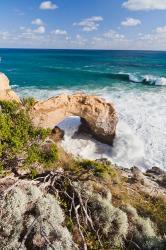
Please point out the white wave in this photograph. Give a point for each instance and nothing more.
(141, 134)
(161, 81)
(40, 93)
(128, 148)
(134, 78)
(145, 79)
(158, 81)
(148, 79)
(14, 86)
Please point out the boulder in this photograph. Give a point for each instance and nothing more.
(57, 134)
(6, 94)
(98, 116)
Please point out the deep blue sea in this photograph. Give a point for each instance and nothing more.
(135, 81)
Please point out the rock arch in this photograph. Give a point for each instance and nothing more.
(98, 116)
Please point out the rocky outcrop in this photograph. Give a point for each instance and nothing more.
(5, 90)
(57, 134)
(98, 116)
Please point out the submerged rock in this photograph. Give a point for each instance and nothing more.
(98, 117)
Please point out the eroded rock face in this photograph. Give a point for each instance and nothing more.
(98, 116)
(5, 91)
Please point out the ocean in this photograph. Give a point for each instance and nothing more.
(135, 81)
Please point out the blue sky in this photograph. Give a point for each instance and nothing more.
(96, 24)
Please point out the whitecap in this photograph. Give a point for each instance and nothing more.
(141, 135)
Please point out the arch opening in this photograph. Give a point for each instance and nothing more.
(98, 117)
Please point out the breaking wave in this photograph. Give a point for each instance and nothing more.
(145, 79)
(121, 76)
(135, 78)
(148, 79)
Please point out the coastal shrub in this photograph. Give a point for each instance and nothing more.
(33, 173)
(155, 208)
(46, 155)
(49, 155)
(20, 142)
(28, 102)
(98, 169)
(9, 107)
(143, 232)
(33, 154)
(114, 221)
(26, 207)
(110, 224)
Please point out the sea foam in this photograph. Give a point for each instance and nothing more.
(148, 79)
(141, 136)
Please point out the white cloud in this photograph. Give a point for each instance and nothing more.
(59, 32)
(112, 34)
(158, 34)
(32, 33)
(90, 24)
(4, 35)
(38, 22)
(131, 22)
(40, 30)
(152, 41)
(161, 30)
(80, 41)
(145, 5)
(48, 5)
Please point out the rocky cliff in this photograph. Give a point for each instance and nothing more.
(5, 90)
(49, 200)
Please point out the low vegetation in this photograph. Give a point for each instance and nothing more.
(22, 145)
(101, 211)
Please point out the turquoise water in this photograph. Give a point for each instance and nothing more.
(135, 81)
(52, 69)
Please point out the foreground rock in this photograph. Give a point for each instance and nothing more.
(57, 134)
(5, 90)
(98, 116)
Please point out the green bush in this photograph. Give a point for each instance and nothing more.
(28, 102)
(46, 156)
(98, 169)
(20, 139)
(49, 156)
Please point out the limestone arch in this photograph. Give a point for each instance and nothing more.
(97, 116)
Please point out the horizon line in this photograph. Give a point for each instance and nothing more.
(83, 49)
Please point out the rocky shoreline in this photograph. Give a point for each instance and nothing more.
(49, 200)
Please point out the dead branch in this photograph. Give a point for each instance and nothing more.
(28, 232)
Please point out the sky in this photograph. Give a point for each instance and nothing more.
(83, 24)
